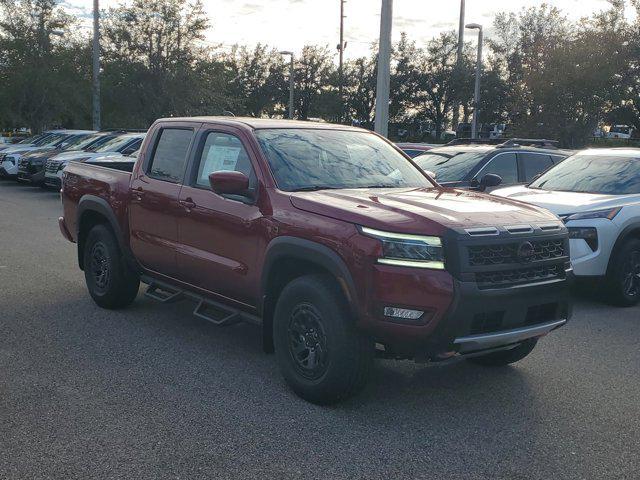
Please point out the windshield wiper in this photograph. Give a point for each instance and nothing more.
(314, 188)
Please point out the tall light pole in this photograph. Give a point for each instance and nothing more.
(96, 65)
(291, 81)
(458, 76)
(341, 47)
(384, 69)
(476, 95)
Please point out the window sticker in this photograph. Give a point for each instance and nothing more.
(219, 158)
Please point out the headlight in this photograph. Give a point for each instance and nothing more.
(10, 159)
(610, 214)
(62, 165)
(588, 234)
(409, 250)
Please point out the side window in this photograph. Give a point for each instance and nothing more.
(533, 164)
(223, 152)
(505, 165)
(170, 155)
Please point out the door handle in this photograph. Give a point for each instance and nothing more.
(187, 203)
(138, 193)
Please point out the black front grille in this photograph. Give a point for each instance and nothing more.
(519, 276)
(52, 166)
(506, 253)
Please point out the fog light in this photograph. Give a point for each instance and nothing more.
(403, 313)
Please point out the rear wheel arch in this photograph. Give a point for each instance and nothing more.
(288, 258)
(94, 211)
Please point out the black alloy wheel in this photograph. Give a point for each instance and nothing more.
(308, 341)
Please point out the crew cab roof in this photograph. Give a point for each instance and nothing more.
(264, 123)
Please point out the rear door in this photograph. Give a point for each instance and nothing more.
(154, 191)
(533, 164)
(503, 164)
(220, 235)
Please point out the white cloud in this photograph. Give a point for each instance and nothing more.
(290, 24)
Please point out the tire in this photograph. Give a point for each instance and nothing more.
(623, 277)
(111, 283)
(505, 357)
(334, 360)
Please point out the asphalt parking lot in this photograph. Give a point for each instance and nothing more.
(153, 392)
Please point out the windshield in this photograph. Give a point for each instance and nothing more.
(325, 159)
(84, 142)
(603, 174)
(47, 139)
(32, 139)
(114, 144)
(450, 166)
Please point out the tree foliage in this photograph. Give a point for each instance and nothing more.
(543, 74)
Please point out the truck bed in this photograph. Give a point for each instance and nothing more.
(104, 185)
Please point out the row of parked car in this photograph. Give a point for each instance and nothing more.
(40, 159)
(595, 192)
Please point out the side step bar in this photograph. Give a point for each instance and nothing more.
(217, 313)
(162, 294)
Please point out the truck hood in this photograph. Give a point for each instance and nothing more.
(562, 203)
(418, 210)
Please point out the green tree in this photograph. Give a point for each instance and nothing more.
(155, 65)
(41, 74)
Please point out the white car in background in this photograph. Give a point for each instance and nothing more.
(10, 156)
(597, 195)
(121, 145)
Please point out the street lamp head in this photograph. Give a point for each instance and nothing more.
(57, 33)
(473, 26)
(286, 52)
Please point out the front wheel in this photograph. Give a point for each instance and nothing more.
(321, 355)
(623, 278)
(110, 281)
(506, 357)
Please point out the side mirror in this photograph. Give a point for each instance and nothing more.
(490, 180)
(229, 183)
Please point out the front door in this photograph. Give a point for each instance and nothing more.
(220, 235)
(154, 207)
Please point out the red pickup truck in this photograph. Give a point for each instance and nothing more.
(329, 238)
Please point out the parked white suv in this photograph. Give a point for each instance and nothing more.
(597, 194)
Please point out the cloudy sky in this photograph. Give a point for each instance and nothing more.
(290, 24)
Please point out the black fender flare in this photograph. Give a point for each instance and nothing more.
(308, 251)
(627, 232)
(91, 203)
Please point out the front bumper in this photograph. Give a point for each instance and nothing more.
(53, 182)
(587, 262)
(31, 177)
(481, 303)
(491, 341)
(8, 170)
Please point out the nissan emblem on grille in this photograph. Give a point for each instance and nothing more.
(525, 252)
